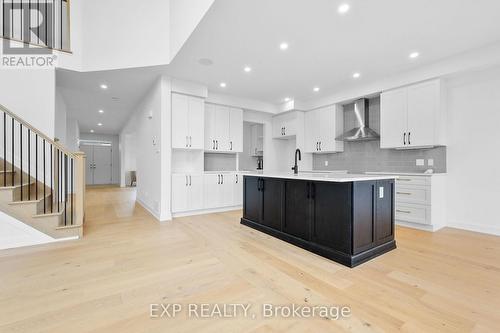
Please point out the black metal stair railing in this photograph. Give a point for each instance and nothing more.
(44, 174)
(44, 23)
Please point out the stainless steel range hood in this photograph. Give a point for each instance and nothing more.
(362, 132)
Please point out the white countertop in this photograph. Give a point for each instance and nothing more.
(404, 173)
(335, 177)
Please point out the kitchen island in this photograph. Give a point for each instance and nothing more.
(344, 217)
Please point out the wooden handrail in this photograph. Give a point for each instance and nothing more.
(40, 134)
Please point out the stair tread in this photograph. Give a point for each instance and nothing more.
(19, 202)
(16, 186)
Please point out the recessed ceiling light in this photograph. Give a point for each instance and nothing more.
(247, 69)
(99, 124)
(287, 99)
(316, 89)
(91, 131)
(104, 86)
(414, 55)
(101, 111)
(343, 8)
(356, 75)
(284, 46)
(223, 85)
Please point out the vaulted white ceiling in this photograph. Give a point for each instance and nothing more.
(373, 38)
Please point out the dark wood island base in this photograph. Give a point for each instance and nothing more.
(347, 222)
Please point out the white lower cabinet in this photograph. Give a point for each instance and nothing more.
(420, 201)
(222, 190)
(238, 189)
(187, 192)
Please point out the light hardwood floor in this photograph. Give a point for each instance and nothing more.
(448, 281)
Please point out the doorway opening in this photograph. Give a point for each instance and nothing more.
(99, 161)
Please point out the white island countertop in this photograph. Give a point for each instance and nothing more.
(324, 177)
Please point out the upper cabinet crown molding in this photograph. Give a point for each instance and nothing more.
(223, 129)
(413, 116)
(321, 127)
(187, 121)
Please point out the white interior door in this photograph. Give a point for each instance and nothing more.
(89, 162)
(102, 165)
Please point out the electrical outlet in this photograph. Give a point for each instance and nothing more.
(326, 163)
(420, 162)
(430, 162)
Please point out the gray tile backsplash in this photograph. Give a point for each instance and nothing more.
(367, 156)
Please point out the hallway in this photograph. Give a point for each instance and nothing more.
(127, 260)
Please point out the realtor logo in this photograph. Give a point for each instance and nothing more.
(25, 24)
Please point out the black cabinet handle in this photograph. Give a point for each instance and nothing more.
(320, 146)
(404, 139)
(259, 187)
(284, 130)
(231, 145)
(186, 180)
(222, 177)
(190, 180)
(213, 144)
(218, 179)
(409, 133)
(317, 146)
(236, 179)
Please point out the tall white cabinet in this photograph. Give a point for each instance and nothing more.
(223, 129)
(322, 127)
(187, 122)
(413, 116)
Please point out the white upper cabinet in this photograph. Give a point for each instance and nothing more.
(322, 127)
(413, 117)
(393, 118)
(187, 122)
(236, 130)
(223, 129)
(285, 125)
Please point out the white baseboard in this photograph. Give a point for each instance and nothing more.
(425, 227)
(485, 229)
(206, 211)
(146, 207)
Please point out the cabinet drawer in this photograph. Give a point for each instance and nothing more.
(413, 213)
(413, 180)
(413, 194)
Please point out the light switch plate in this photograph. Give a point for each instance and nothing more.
(420, 162)
(430, 162)
(381, 192)
(326, 163)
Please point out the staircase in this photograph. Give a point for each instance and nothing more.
(42, 184)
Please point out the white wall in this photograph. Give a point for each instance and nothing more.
(30, 94)
(150, 126)
(125, 33)
(473, 158)
(60, 119)
(115, 172)
(72, 134)
(184, 17)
